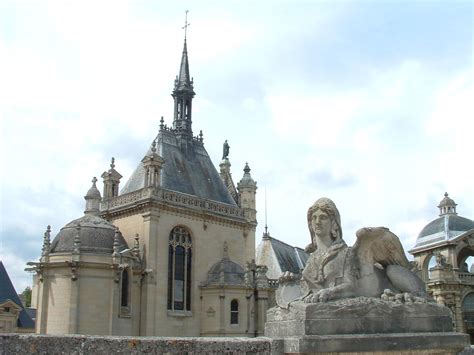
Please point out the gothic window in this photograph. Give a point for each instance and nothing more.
(124, 294)
(179, 270)
(234, 312)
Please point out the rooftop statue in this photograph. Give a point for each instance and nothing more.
(376, 266)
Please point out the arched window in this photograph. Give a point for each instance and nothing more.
(124, 294)
(179, 270)
(234, 312)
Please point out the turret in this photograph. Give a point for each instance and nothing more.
(111, 181)
(152, 163)
(247, 188)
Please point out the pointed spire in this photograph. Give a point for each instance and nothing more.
(46, 241)
(93, 199)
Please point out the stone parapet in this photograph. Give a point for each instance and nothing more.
(178, 199)
(83, 344)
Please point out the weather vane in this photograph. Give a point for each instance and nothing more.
(186, 24)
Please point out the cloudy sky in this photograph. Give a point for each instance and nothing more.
(366, 102)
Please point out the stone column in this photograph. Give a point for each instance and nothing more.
(149, 285)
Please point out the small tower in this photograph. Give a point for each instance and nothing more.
(152, 163)
(247, 188)
(111, 181)
(93, 200)
(183, 94)
(447, 206)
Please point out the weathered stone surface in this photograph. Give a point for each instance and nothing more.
(419, 343)
(80, 344)
(362, 315)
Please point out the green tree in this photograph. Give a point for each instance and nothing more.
(27, 296)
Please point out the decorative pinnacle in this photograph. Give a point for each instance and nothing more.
(153, 146)
(77, 241)
(112, 163)
(136, 247)
(162, 123)
(201, 139)
(225, 250)
(246, 169)
(186, 25)
(116, 244)
(94, 180)
(46, 241)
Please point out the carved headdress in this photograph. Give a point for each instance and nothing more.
(329, 207)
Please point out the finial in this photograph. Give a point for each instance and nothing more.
(46, 241)
(94, 180)
(201, 139)
(225, 250)
(116, 243)
(136, 247)
(153, 146)
(162, 123)
(186, 25)
(246, 169)
(112, 163)
(77, 240)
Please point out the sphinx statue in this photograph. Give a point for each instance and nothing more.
(375, 266)
(357, 299)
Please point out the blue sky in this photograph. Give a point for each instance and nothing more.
(365, 102)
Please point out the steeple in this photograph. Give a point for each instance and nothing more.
(183, 94)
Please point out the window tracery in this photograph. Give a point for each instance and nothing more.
(179, 269)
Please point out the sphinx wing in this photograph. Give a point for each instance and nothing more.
(379, 245)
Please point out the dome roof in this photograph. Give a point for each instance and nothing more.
(444, 228)
(232, 273)
(93, 193)
(96, 235)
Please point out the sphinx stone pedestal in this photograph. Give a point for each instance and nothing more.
(367, 325)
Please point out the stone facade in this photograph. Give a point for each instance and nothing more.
(140, 261)
(441, 251)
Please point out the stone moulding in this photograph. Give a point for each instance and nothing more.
(172, 197)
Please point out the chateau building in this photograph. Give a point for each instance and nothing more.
(13, 315)
(442, 251)
(170, 254)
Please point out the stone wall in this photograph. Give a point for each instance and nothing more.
(81, 344)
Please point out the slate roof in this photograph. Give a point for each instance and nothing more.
(233, 273)
(96, 236)
(192, 173)
(7, 292)
(444, 228)
(289, 258)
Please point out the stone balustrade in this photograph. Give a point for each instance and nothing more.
(176, 198)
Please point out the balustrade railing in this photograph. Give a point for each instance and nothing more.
(175, 198)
